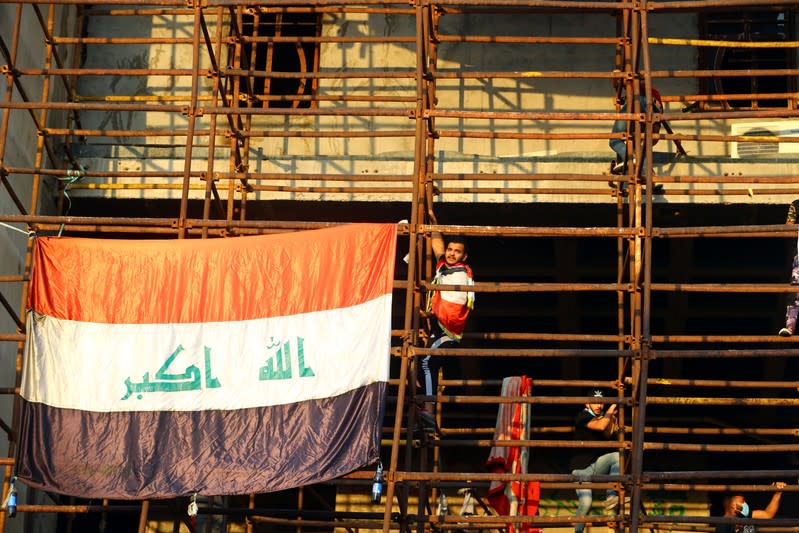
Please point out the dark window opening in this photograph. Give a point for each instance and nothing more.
(748, 92)
(295, 57)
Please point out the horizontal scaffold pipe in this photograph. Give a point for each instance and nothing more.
(525, 231)
(329, 97)
(52, 132)
(161, 174)
(31, 508)
(530, 115)
(507, 443)
(712, 354)
(477, 522)
(564, 444)
(726, 138)
(652, 400)
(534, 382)
(122, 102)
(330, 190)
(660, 74)
(747, 448)
(738, 448)
(782, 178)
(724, 287)
(257, 176)
(463, 176)
(662, 486)
(321, 75)
(703, 4)
(560, 74)
(720, 431)
(537, 430)
(652, 353)
(728, 97)
(401, 475)
(723, 383)
(407, 190)
(761, 523)
(326, 134)
(302, 523)
(514, 287)
(725, 474)
(232, 40)
(562, 5)
(729, 115)
(733, 192)
(535, 400)
(724, 44)
(552, 4)
(522, 336)
(98, 106)
(206, 3)
(299, 7)
(167, 222)
(230, 72)
(98, 10)
(325, 111)
(738, 402)
(603, 191)
(487, 134)
(516, 39)
(724, 231)
(507, 352)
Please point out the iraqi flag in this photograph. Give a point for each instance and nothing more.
(219, 366)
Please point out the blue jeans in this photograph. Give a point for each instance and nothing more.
(607, 464)
(619, 145)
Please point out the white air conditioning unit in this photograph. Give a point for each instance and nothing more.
(777, 128)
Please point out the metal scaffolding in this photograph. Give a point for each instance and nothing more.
(219, 115)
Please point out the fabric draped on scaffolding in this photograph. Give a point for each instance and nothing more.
(215, 366)
(517, 498)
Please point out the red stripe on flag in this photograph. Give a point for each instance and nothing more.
(212, 280)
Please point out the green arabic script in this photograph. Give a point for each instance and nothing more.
(166, 381)
(279, 365)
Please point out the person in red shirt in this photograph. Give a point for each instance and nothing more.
(447, 312)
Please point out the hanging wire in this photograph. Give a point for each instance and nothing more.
(73, 176)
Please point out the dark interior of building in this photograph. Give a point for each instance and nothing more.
(717, 260)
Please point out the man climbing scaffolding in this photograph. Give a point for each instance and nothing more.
(619, 145)
(447, 312)
(621, 126)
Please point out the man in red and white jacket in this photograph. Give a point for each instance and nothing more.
(447, 311)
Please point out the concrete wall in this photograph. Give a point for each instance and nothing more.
(530, 93)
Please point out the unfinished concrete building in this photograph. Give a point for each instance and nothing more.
(662, 276)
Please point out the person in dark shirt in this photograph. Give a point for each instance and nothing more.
(594, 423)
(621, 126)
(735, 505)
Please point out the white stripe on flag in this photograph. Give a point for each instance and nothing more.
(218, 365)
